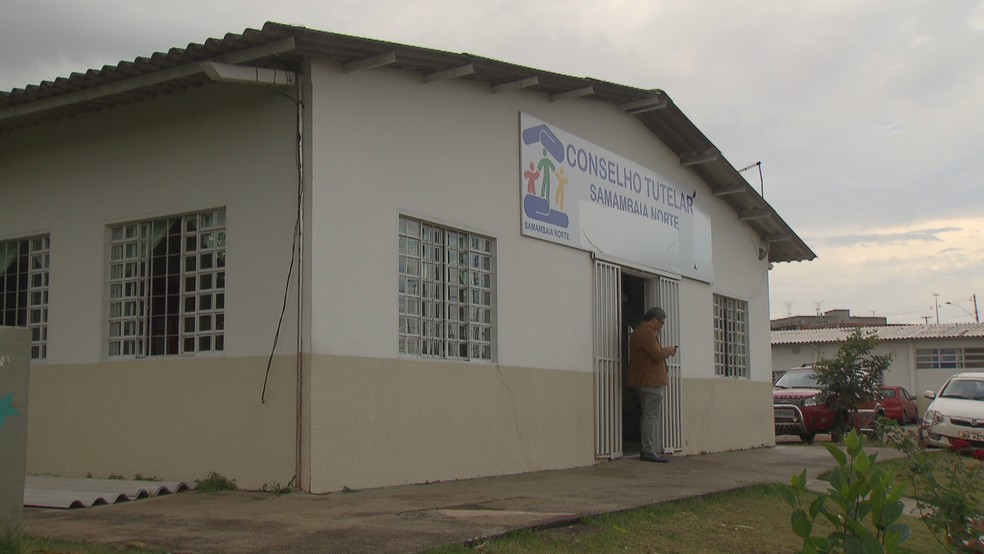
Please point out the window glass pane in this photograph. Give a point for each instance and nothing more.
(24, 288)
(730, 337)
(443, 292)
(163, 260)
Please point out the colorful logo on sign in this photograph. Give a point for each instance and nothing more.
(546, 174)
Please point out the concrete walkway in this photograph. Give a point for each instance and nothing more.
(416, 517)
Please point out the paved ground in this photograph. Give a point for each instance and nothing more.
(413, 518)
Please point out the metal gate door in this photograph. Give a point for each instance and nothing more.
(665, 293)
(608, 360)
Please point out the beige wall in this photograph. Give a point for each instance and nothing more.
(727, 414)
(174, 419)
(378, 422)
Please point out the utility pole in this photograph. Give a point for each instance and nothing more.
(936, 303)
(973, 298)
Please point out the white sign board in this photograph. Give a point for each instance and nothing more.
(583, 196)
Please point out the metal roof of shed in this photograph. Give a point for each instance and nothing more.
(278, 46)
(885, 333)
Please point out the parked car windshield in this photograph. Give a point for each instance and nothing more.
(964, 388)
(797, 380)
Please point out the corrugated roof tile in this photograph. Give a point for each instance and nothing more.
(887, 332)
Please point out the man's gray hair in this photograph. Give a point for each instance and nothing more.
(654, 313)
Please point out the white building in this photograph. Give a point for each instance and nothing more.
(442, 311)
(923, 356)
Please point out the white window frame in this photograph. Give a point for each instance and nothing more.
(446, 289)
(731, 337)
(950, 358)
(166, 286)
(30, 259)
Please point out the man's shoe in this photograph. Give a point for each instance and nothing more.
(646, 457)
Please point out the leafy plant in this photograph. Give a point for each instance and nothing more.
(140, 477)
(215, 482)
(863, 504)
(279, 489)
(950, 491)
(116, 477)
(852, 377)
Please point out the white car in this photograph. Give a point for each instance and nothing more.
(955, 418)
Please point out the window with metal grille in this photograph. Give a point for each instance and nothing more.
(730, 337)
(446, 292)
(167, 285)
(24, 289)
(950, 358)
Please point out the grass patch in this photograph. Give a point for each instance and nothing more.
(752, 520)
(48, 546)
(943, 458)
(12, 541)
(279, 489)
(215, 482)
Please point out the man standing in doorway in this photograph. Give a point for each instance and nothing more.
(648, 372)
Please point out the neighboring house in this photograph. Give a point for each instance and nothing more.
(450, 249)
(830, 318)
(923, 356)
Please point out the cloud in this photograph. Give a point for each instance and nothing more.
(976, 20)
(897, 237)
(892, 271)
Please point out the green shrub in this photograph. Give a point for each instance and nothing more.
(215, 482)
(949, 491)
(852, 377)
(863, 504)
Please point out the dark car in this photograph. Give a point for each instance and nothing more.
(799, 407)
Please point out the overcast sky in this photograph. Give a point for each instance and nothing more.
(867, 115)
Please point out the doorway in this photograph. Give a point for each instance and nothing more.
(633, 308)
(620, 300)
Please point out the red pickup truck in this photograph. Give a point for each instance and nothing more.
(800, 409)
